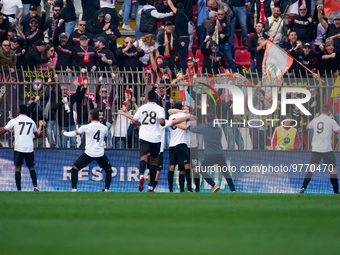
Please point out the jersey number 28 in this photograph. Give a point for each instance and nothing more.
(152, 118)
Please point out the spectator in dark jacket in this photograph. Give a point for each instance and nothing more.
(14, 41)
(106, 57)
(104, 102)
(212, 58)
(84, 106)
(223, 26)
(63, 49)
(33, 56)
(169, 45)
(85, 57)
(4, 26)
(36, 33)
(329, 62)
(303, 25)
(331, 29)
(256, 46)
(182, 31)
(128, 55)
(25, 21)
(52, 23)
(64, 107)
(95, 25)
(68, 13)
(89, 8)
(74, 37)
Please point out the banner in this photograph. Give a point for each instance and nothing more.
(252, 171)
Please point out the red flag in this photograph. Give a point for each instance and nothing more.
(331, 6)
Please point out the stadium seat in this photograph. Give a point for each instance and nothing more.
(199, 56)
(242, 57)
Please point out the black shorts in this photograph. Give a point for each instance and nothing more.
(84, 160)
(328, 158)
(179, 155)
(160, 162)
(20, 156)
(152, 148)
(193, 156)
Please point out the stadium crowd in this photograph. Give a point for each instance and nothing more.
(168, 34)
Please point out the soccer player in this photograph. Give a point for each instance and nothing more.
(150, 117)
(323, 127)
(213, 151)
(179, 153)
(95, 133)
(24, 127)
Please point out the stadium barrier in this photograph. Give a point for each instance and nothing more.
(24, 85)
(252, 171)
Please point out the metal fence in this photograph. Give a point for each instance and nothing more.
(61, 100)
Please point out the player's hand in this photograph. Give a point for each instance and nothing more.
(62, 132)
(14, 22)
(171, 14)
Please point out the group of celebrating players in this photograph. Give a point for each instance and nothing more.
(150, 118)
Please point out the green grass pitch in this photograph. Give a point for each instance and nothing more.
(49, 223)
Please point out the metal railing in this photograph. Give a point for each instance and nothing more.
(45, 91)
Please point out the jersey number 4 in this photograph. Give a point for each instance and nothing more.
(151, 116)
(97, 136)
(23, 124)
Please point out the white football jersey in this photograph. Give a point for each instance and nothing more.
(149, 115)
(95, 132)
(122, 125)
(323, 130)
(168, 123)
(177, 135)
(24, 127)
